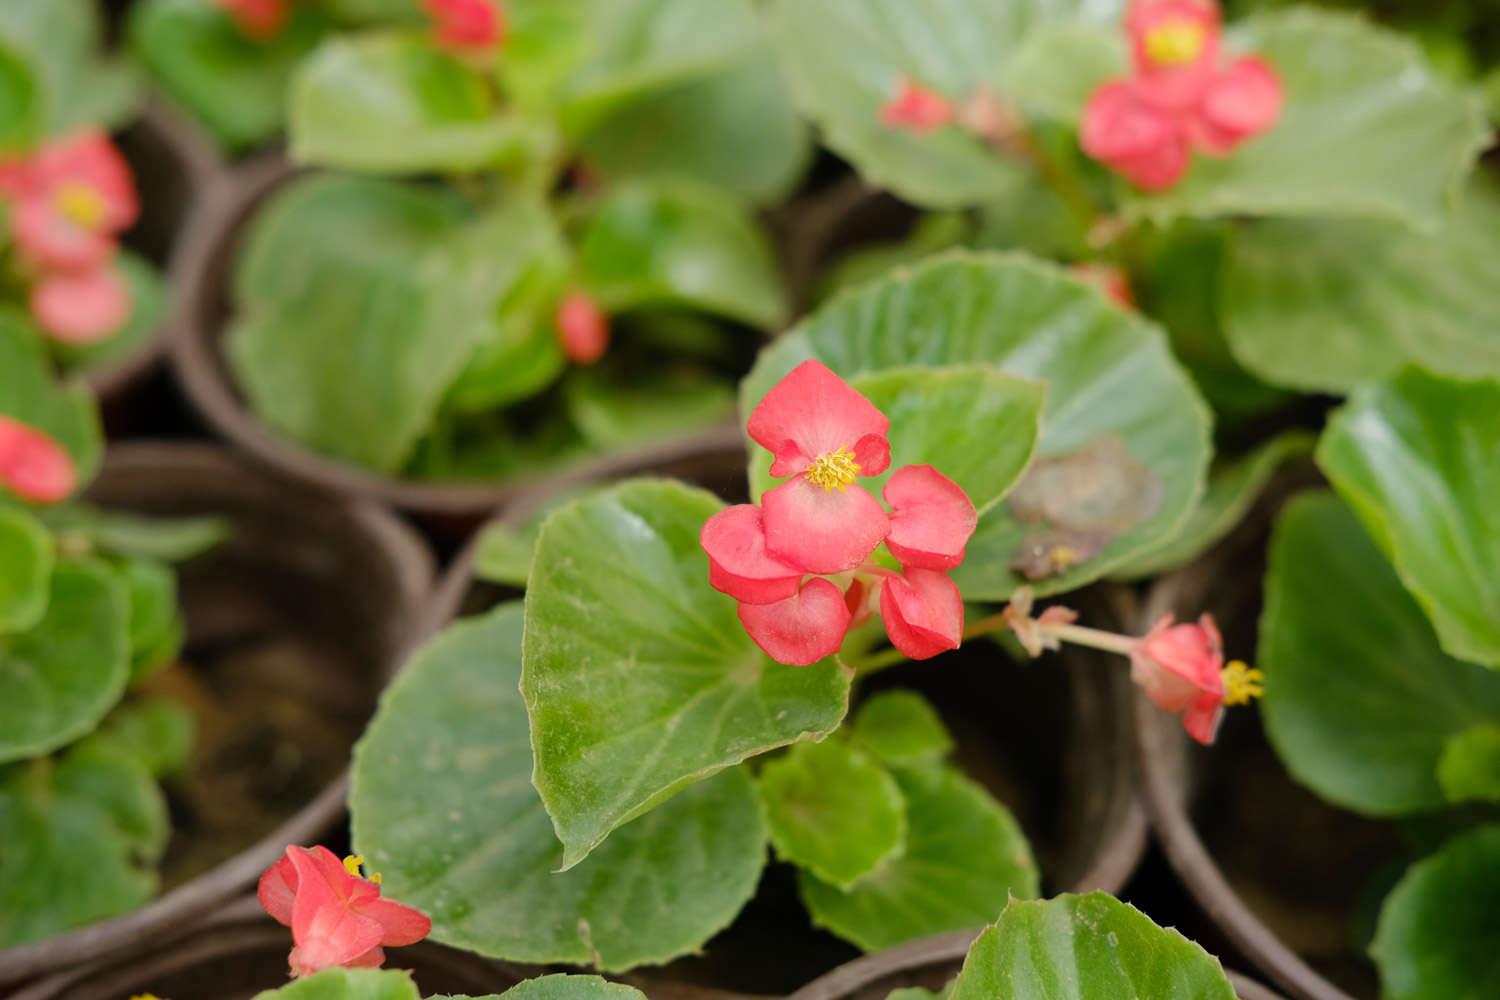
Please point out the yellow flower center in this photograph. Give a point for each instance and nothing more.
(1173, 43)
(81, 205)
(834, 470)
(1242, 683)
(352, 865)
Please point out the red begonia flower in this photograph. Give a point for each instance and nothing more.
(916, 108)
(33, 465)
(337, 918)
(75, 197)
(923, 612)
(1180, 668)
(802, 629)
(1242, 101)
(582, 328)
(1174, 45)
(738, 563)
(82, 308)
(1127, 132)
(931, 518)
(824, 434)
(259, 20)
(466, 26)
(1109, 279)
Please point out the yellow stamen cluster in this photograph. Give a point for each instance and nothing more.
(81, 205)
(1242, 683)
(835, 470)
(352, 865)
(1173, 43)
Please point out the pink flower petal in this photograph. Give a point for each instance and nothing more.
(923, 612)
(822, 531)
(813, 412)
(1201, 718)
(1241, 102)
(81, 309)
(802, 629)
(399, 925)
(277, 890)
(33, 465)
(738, 563)
(931, 518)
(466, 25)
(915, 108)
(89, 159)
(1127, 133)
(48, 240)
(325, 930)
(582, 328)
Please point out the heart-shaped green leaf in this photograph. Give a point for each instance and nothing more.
(1418, 458)
(833, 811)
(1358, 100)
(443, 806)
(565, 987)
(235, 86)
(29, 393)
(348, 984)
(844, 60)
(1091, 947)
(965, 856)
(1436, 939)
(62, 41)
(1109, 482)
(901, 728)
(1322, 306)
(1359, 701)
(620, 410)
(684, 245)
(26, 554)
(1469, 769)
(638, 677)
(156, 629)
(58, 678)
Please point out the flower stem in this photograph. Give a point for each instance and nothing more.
(1094, 638)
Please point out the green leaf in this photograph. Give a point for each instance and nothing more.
(617, 411)
(235, 86)
(443, 806)
(1058, 67)
(833, 811)
(1091, 947)
(354, 94)
(26, 554)
(1233, 488)
(844, 58)
(29, 393)
(80, 834)
(1323, 306)
(58, 679)
(1416, 459)
(20, 105)
(901, 728)
(965, 856)
(564, 987)
(931, 233)
(177, 539)
(1358, 100)
(159, 734)
(1469, 769)
(156, 630)
(1109, 481)
(348, 984)
(148, 293)
(62, 41)
(1436, 936)
(681, 245)
(1359, 700)
(638, 677)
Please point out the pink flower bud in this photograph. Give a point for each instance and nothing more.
(582, 328)
(33, 465)
(466, 26)
(1180, 668)
(258, 20)
(81, 309)
(916, 108)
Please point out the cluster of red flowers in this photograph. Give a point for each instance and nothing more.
(69, 201)
(801, 563)
(1180, 96)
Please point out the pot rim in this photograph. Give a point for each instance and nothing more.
(194, 355)
(179, 909)
(1161, 754)
(201, 166)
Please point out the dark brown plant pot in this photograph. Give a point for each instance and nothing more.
(930, 963)
(1051, 740)
(201, 367)
(1280, 873)
(173, 167)
(293, 626)
(243, 952)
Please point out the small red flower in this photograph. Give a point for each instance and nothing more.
(71, 200)
(82, 308)
(916, 108)
(1109, 279)
(337, 917)
(1180, 667)
(466, 26)
(258, 20)
(582, 328)
(1174, 47)
(33, 465)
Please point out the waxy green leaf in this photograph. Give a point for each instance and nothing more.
(1418, 458)
(1469, 769)
(638, 677)
(444, 807)
(565, 987)
(1360, 700)
(348, 984)
(76, 86)
(901, 728)
(1091, 947)
(26, 554)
